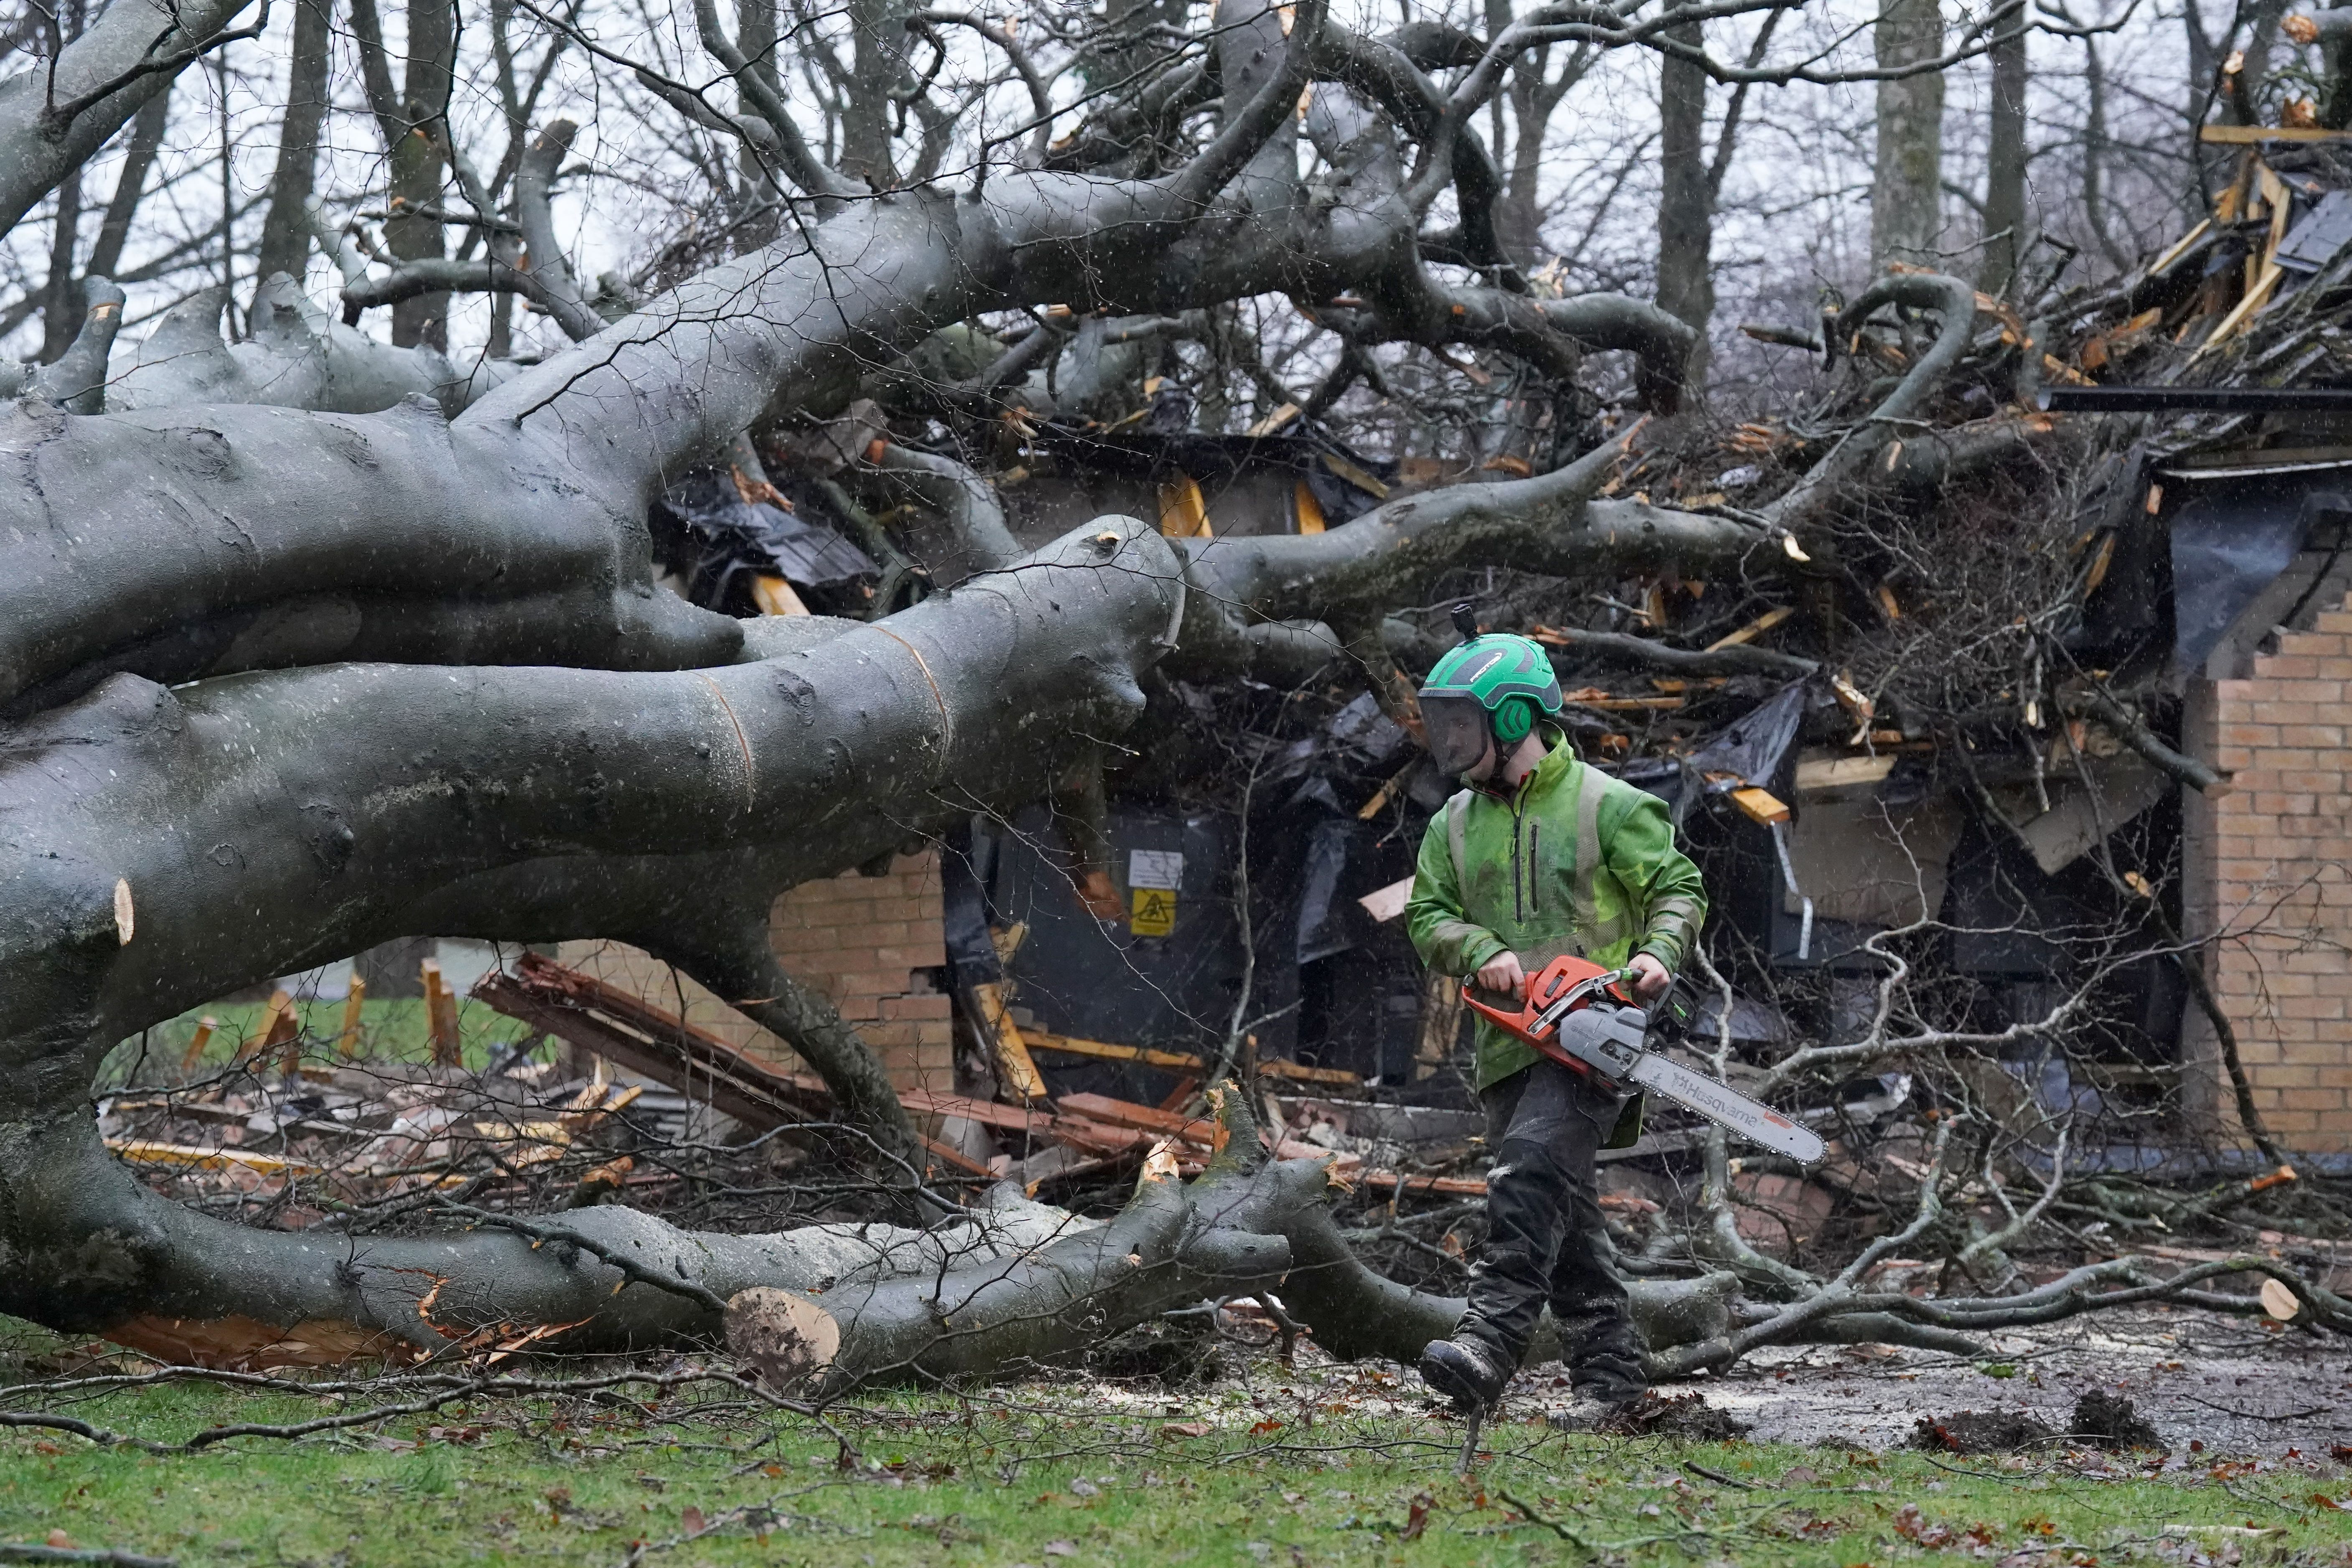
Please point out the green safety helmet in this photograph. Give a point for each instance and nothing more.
(1496, 684)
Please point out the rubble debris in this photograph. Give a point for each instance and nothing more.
(2108, 1421)
(612, 1023)
(723, 541)
(1681, 1417)
(1981, 1432)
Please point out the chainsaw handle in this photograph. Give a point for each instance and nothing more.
(1563, 976)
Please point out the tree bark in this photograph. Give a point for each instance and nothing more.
(61, 305)
(877, 65)
(1686, 203)
(261, 824)
(1907, 188)
(34, 154)
(285, 231)
(2005, 164)
(419, 167)
(138, 160)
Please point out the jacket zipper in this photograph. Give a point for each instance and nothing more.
(1519, 906)
(1535, 870)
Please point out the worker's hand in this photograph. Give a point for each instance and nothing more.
(1650, 978)
(1502, 973)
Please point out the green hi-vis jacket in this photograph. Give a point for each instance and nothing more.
(1573, 861)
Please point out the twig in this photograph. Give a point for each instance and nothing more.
(1718, 1476)
(1529, 1512)
(25, 1552)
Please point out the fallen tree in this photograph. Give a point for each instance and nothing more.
(308, 647)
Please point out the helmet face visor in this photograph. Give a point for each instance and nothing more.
(1459, 731)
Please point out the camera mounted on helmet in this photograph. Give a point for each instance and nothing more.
(1495, 686)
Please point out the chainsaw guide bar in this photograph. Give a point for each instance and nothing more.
(1560, 1019)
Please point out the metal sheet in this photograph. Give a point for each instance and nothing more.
(2324, 230)
(2227, 544)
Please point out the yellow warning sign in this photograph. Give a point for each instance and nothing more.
(1155, 913)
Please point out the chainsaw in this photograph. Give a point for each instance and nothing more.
(1582, 1016)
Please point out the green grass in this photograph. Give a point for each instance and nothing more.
(1052, 1473)
(392, 1029)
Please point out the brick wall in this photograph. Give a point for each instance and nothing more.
(859, 940)
(2270, 866)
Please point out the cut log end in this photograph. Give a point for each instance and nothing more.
(786, 1338)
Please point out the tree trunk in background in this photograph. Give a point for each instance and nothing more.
(1907, 195)
(2094, 154)
(755, 35)
(878, 63)
(286, 232)
(138, 160)
(417, 165)
(62, 308)
(2004, 209)
(1686, 216)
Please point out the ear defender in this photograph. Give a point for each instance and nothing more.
(1514, 717)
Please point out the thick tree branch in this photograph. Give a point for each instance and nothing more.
(55, 116)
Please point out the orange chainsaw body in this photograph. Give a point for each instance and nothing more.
(1545, 987)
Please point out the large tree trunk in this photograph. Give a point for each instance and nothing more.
(1906, 190)
(35, 153)
(1686, 200)
(419, 165)
(594, 758)
(137, 159)
(260, 826)
(61, 305)
(285, 231)
(2005, 164)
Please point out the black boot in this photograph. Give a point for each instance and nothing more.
(1467, 1372)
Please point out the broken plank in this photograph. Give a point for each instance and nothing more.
(1151, 1119)
(1444, 1186)
(1098, 1138)
(956, 1158)
(1102, 1050)
(2253, 135)
(987, 1112)
(150, 1151)
(1824, 775)
(643, 1039)
(1760, 805)
(1385, 904)
(1753, 629)
(1297, 1072)
(1014, 1068)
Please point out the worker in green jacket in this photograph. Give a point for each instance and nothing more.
(1541, 855)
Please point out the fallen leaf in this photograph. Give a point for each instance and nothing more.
(1418, 1519)
(1186, 1429)
(1265, 1427)
(60, 1539)
(691, 1521)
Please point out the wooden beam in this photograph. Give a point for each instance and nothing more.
(1149, 1119)
(150, 1151)
(613, 1023)
(2255, 135)
(1267, 1066)
(1753, 629)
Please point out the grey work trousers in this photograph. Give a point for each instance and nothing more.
(1545, 1241)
